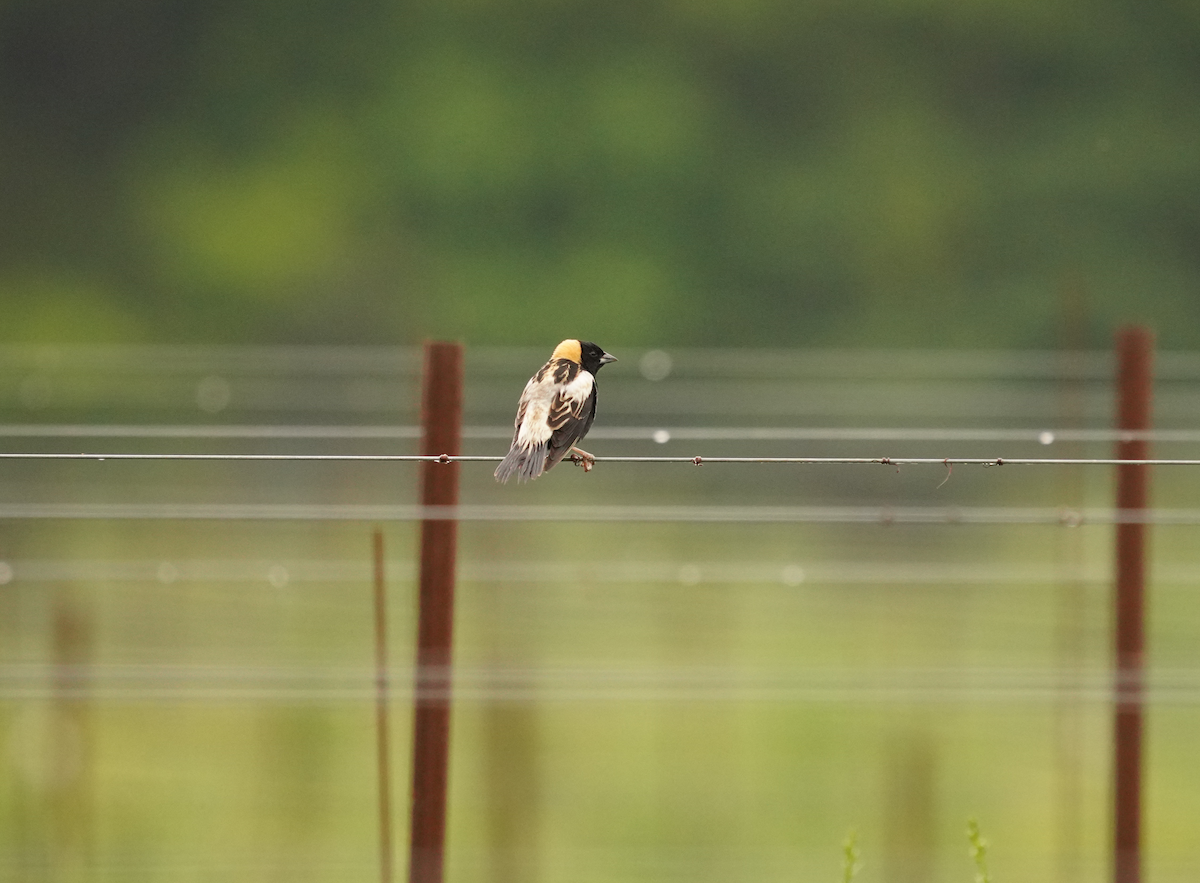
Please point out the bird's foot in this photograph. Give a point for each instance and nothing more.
(580, 457)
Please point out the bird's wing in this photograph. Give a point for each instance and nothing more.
(555, 411)
(522, 407)
(526, 459)
(533, 410)
(571, 415)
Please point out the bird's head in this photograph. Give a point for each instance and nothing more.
(586, 353)
(592, 358)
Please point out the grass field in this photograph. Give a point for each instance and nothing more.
(660, 701)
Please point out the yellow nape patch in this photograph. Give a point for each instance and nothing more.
(568, 349)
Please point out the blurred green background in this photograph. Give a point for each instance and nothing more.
(645, 700)
(713, 172)
(223, 226)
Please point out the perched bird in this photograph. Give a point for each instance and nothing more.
(555, 411)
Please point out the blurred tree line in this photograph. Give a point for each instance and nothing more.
(703, 172)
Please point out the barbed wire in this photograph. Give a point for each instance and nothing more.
(695, 461)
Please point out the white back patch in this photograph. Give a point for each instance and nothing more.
(535, 428)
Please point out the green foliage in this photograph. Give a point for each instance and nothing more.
(850, 863)
(766, 173)
(978, 852)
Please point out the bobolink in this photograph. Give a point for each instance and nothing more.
(555, 411)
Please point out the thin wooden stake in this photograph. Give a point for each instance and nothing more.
(441, 416)
(382, 742)
(71, 745)
(1135, 355)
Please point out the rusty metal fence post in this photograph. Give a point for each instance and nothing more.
(1135, 356)
(441, 416)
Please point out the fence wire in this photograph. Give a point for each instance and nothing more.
(658, 434)
(123, 683)
(882, 515)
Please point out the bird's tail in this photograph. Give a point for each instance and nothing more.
(526, 463)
